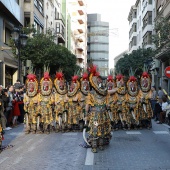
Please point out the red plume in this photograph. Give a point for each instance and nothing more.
(74, 78)
(46, 75)
(145, 74)
(31, 77)
(93, 70)
(59, 75)
(132, 78)
(110, 78)
(85, 76)
(119, 77)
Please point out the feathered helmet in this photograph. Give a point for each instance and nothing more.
(46, 83)
(110, 82)
(31, 84)
(85, 87)
(74, 86)
(120, 84)
(132, 86)
(145, 80)
(94, 80)
(60, 84)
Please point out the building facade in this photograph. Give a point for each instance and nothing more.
(11, 14)
(98, 43)
(141, 23)
(77, 11)
(162, 59)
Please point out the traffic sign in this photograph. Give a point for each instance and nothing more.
(167, 71)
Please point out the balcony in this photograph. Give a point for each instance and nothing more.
(81, 28)
(81, 3)
(80, 21)
(79, 47)
(80, 56)
(60, 31)
(81, 11)
(60, 17)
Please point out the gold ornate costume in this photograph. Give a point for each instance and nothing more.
(73, 103)
(46, 100)
(31, 103)
(96, 107)
(145, 93)
(60, 98)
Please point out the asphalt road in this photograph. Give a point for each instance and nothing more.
(128, 150)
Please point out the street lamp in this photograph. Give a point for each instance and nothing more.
(20, 40)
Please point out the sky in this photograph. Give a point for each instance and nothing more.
(116, 13)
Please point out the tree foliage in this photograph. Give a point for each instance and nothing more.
(42, 50)
(162, 32)
(134, 60)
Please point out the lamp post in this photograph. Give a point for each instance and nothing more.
(20, 41)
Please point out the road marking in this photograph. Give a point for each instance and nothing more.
(18, 160)
(69, 134)
(31, 148)
(160, 132)
(19, 148)
(29, 141)
(166, 125)
(3, 159)
(133, 133)
(89, 157)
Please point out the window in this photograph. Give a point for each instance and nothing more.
(7, 35)
(58, 27)
(150, 1)
(17, 1)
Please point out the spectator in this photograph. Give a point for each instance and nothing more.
(163, 113)
(17, 85)
(153, 99)
(160, 93)
(5, 99)
(9, 107)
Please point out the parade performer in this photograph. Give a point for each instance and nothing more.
(145, 94)
(132, 99)
(112, 102)
(84, 88)
(73, 98)
(96, 112)
(121, 100)
(46, 100)
(31, 103)
(60, 98)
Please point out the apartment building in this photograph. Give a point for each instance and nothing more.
(77, 10)
(98, 43)
(141, 23)
(11, 14)
(162, 59)
(118, 57)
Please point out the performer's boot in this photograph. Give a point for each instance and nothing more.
(28, 129)
(94, 146)
(57, 128)
(101, 143)
(63, 127)
(34, 128)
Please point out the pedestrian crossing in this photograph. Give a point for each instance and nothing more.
(142, 132)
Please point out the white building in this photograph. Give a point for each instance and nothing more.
(141, 23)
(77, 11)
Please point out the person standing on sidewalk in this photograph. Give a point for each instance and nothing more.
(153, 99)
(160, 93)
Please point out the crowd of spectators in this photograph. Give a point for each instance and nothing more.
(160, 106)
(12, 106)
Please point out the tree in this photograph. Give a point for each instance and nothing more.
(134, 60)
(162, 32)
(42, 50)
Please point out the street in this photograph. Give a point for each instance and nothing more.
(130, 150)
